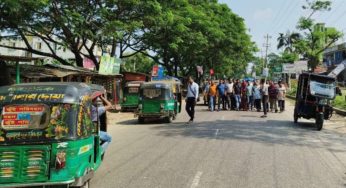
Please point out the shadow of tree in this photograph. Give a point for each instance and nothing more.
(267, 132)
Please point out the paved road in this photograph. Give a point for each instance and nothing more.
(224, 149)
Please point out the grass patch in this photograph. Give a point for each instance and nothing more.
(340, 101)
(293, 90)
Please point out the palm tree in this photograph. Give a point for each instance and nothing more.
(281, 41)
(287, 40)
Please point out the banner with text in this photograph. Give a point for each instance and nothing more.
(109, 65)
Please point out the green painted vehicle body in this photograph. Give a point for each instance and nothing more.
(131, 100)
(65, 151)
(159, 100)
(131, 95)
(158, 107)
(26, 164)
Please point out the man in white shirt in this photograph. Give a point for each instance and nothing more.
(265, 97)
(229, 96)
(191, 98)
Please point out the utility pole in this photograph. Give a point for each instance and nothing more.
(262, 58)
(266, 45)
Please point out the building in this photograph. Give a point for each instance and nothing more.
(333, 56)
(37, 44)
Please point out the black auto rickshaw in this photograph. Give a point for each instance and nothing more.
(47, 135)
(313, 98)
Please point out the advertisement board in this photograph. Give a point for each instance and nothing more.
(157, 71)
(109, 65)
(296, 68)
(88, 64)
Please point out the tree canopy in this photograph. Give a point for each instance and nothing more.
(178, 34)
(312, 37)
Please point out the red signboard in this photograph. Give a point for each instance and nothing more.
(131, 76)
(211, 72)
(9, 116)
(155, 71)
(88, 64)
(37, 108)
(9, 122)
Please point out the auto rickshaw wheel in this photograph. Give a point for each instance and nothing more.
(86, 184)
(319, 121)
(168, 119)
(295, 116)
(141, 120)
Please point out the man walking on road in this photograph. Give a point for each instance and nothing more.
(273, 97)
(257, 97)
(281, 96)
(237, 93)
(221, 89)
(191, 98)
(229, 96)
(249, 94)
(212, 94)
(265, 97)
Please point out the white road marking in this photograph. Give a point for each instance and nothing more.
(216, 132)
(196, 179)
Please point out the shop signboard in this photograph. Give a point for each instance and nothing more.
(88, 64)
(109, 65)
(157, 72)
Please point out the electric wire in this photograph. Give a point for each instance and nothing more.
(332, 12)
(285, 14)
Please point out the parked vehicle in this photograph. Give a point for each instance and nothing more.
(313, 98)
(159, 99)
(131, 95)
(47, 136)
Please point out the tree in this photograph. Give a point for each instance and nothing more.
(191, 33)
(77, 25)
(5, 77)
(138, 63)
(178, 34)
(315, 37)
(287, 40)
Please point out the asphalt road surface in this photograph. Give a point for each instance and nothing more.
(224, 149)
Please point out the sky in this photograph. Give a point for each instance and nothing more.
(272, 17)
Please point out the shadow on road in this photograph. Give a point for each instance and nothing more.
(134, 122)
(268, 132)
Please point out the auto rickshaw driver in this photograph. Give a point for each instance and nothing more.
(96, 112)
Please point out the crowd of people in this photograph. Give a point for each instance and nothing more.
(233, 94)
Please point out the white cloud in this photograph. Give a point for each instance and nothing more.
(263, 15)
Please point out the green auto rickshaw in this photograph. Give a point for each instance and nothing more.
(47, 136)
(159, 99)
(131, 95)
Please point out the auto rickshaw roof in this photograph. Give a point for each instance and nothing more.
(134, 83)
(319, 77)
(156, 84)
(48, 92)
(172, 85)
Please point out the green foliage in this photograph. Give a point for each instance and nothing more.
(321, 5)
(294, 85)
(288, 40)
(179, 34)
(313, 37)
(138, 63)
(340, 101)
